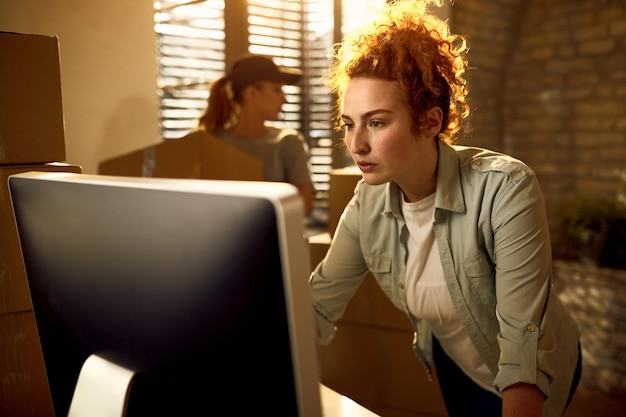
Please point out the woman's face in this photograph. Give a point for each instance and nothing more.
(268, 99)
(380, 138)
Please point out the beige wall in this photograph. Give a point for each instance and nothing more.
(108, 71)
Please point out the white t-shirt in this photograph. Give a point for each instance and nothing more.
(428, 297)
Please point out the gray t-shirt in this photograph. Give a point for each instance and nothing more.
(284, 153)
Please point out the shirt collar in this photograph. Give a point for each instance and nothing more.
(392, 199)
(449, 190)
(449, 195)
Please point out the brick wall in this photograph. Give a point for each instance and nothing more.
(491, 28)
(549, 87)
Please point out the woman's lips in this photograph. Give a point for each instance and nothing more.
(366, 166)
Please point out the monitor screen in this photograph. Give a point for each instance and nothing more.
(198, 288)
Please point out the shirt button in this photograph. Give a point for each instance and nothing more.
(401, 285)
(476, 163)
(530, 328)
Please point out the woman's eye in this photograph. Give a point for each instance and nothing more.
(376, 123)
(347, 125)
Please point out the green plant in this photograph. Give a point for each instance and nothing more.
(595, 230)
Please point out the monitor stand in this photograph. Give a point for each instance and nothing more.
(102, 389)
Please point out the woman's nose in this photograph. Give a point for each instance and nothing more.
(357, 142)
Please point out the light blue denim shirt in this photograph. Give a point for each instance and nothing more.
(493, 239)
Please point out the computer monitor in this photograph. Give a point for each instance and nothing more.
(194, 291)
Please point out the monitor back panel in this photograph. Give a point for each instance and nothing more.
(185, 288)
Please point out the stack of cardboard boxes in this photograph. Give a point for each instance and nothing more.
(31, 139)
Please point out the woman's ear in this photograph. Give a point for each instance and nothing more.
(434, 117)
(249, 93)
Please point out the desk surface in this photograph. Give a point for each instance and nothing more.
(337, 405)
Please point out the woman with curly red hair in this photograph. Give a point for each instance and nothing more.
(457, 237)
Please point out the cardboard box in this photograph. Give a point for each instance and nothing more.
(31, 109)
(378, 369)
(14, 293)
(318, 246)
(342, 182)
(24, 388)
(197, 155)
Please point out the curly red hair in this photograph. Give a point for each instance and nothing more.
(409, 45)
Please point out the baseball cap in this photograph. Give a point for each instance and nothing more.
(255, 68)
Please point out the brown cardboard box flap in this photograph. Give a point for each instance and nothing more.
(196, 155)
(342, 184)
(31, 108)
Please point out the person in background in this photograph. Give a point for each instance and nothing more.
(239, 105)
(457, 237)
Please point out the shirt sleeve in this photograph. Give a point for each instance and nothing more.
(337, 277)
(294, 153)
(523, 283)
